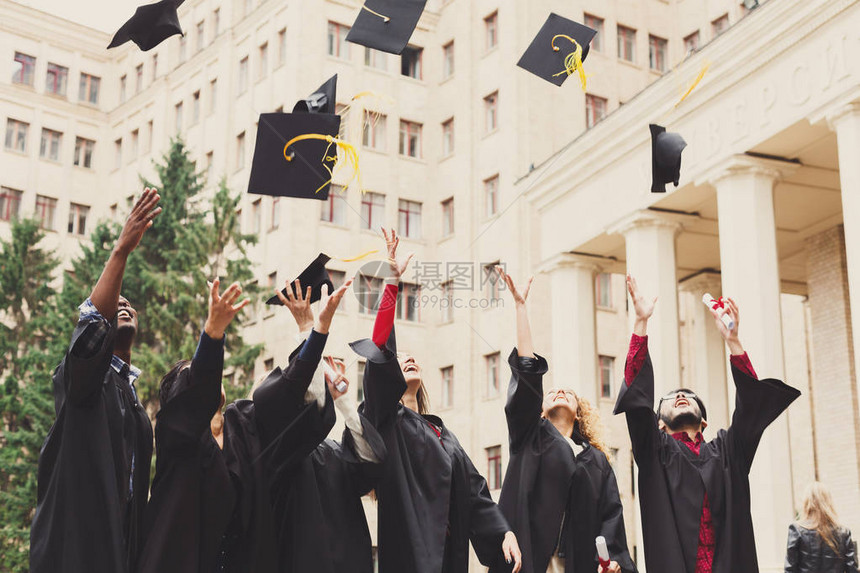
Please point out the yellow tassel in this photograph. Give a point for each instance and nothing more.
(696, 81)
(385, 19)
(359, 257)
(345, 153)
(573, 61)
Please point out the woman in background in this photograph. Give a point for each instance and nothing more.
(816, 542)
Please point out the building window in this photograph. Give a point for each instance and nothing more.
(154, 66)
(264, 61)
(491, 31)
(448, 137)
(138, 78)
(149, 132)
(213, 95)
(337, 44)
(78, 219)
(89, 89)
(342, 110)
(117, 157)
(84, 152)
(195, 107)
(257, 216)
(135, 143)
(691, 42)
(603, 290)
(595, 23)
(447, 301)
(216, 22)
(57, 77)
(46, 208)
(16, 135)
(368, 290)
(410, 138)
(720, 25)
(493, 374)
(491, 196)
(448, 60)
(10, 203)
(375, 59)
(490, 281)
(201, 35)
(607, 366)
(269, 364)
(494, 467)
(123, 81)
(595, 110)
(50, 147)
(282, 47)
(210, 167)
(374, 130)
(275, 215)
(243, 75)
(408, 303)
(23, 68)
(409, 219)
(333, 209)
(447, 386)
(491, 112)
(657, 48)
(240, 151)
(372, 211)
(178, 117)
(448, 217)
(183, 49)
(410, 62)
(627, 43)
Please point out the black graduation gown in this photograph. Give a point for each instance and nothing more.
(84, 520)
(544, 481)
(323, 527)
(431, 499)
(673, 480)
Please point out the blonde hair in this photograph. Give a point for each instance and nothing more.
(819, 515)
(588, 425)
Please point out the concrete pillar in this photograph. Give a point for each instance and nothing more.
(750, 275)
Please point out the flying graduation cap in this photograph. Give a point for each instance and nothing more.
(150, 25)
(314, 276)
(323, 100)
(386, 25)
(558, 50)
(666, 151)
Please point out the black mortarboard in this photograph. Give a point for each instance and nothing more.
(386, 25)
(543, 60)
(323, 100)
(315, 276)
(367, 348)
(305, 175)
(666, 151)
(150, 25)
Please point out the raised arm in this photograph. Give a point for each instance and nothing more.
(346, 407)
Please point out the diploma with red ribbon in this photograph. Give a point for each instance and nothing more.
(719, 304)
(602, 553)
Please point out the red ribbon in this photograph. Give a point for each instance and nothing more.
(719, 303)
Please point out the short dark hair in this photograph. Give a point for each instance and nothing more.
(688, 392)
(169, 380)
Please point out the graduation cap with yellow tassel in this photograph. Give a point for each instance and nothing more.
(559, 50)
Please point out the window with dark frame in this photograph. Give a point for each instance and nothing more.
(23, 69)
(595, 110)
(46, 208)
(16, 135)
(368, 291)
(657, 53)
(50, 145)
(78, 219)
(492, 362)
(595, 23)
(691, 42)
(56, 79)
(375, 59)
(333, 209)
(494, 468)
(410, 139)
(10, 203)
(491, 31)
(337, 44)
(409, 219)
(374, 128)
(607, 367)
(408, 303)
(410, 62)
(603, 289)
(626, 43)
(88, 91)
(372, 210)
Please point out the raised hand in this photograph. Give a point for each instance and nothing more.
(613, 567)
(519, 298)
(511, 551)
(642, 306)
(139, 220)
(328, 306)
(299, 304)
(730, 336)
(341, 379)
(222, 309)
(392, 241)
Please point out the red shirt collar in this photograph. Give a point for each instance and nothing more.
(684, 437)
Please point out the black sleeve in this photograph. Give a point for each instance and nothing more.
(525, 397)
(87, 360)
(850, 553)
(384, 385)
(757, 404)
(612, 521)
(636, 401)
(364, 474)
(487, 524)
(792, 553)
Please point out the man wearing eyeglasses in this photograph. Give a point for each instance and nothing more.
(694, 494)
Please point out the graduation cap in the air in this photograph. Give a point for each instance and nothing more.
(368, 349)
(386, 25)
(314, 276)
(301, 169)
(323, 100)
(666, 151)
(552, 54)
(150, 25)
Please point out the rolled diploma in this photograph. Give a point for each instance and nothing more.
(602, 551)
(710, 302)
(341, 386)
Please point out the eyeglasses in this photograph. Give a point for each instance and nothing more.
(673, 395)
(568, 393)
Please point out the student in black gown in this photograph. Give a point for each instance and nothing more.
(559, 492)
(318, 506)
(93, 472)
(212, 506)
(695, 495)
(431, 499)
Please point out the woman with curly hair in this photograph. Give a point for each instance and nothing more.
(559, 492)
(817, 543)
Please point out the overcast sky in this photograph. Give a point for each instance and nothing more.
(105, 15)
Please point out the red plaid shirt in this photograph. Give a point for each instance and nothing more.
(635, 358)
